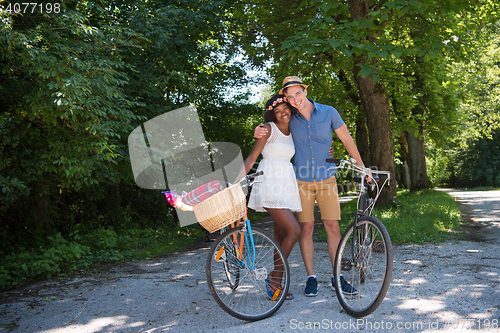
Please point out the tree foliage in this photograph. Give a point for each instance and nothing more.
(470, 158)
(74, 84)
(404, 47)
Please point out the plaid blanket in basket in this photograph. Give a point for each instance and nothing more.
(201, 193)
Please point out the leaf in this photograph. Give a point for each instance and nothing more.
(365, 71)
(346, 52)
(334, 43)
(434, 52)
(285, 45)
(383, 54)
(397, 52)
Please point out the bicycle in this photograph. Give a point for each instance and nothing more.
(241, 258)
(364, 254)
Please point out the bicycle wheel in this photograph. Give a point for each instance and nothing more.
(243, 291)
(369, 271)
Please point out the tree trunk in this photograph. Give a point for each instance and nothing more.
(362, 141)
(418, 168)
(416, 147)
(114, 202)
(405, 174)
(361, 132)
(375, 101)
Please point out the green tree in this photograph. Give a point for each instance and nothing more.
(64, 109)
(74, 84)
(470, 158)
(366, 39)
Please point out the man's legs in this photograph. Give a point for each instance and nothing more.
(333, 238)
(328, 202)
(307, 246)
(307, 251)
(307, 191)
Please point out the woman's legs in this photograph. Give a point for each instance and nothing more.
(286, 233)
(286, 228)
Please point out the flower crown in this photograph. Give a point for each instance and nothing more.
(276, 102)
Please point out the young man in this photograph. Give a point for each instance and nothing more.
(312, 129)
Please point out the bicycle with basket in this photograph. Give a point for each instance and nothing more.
(241, 258)
(364, 255)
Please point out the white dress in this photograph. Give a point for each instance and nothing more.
(277, 187)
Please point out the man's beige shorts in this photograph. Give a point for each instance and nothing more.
(325, 193)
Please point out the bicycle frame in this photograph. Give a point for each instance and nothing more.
(247, 228)
(365, 172)
(246, 236)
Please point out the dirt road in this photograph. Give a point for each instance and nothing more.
(449, 287)
(483, 209)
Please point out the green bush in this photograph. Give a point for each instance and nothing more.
(64, 255)
(23, 265)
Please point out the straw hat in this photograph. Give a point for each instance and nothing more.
(291, 81)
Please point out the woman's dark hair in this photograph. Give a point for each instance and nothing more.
(279, 99)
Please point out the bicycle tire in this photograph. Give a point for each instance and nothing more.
(248, 298)
(375, 268)
(363, 202)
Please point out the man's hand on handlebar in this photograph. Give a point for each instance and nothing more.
(369, 178)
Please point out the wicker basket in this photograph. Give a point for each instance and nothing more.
(221, 209)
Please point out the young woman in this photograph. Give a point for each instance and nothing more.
(276, 191)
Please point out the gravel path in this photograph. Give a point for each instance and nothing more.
(448, 287)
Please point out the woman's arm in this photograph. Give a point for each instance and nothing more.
(256, 150)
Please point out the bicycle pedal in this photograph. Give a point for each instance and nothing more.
(276, 294)
(221, 254)
(346, 265)
(260, 274)
(378, 247)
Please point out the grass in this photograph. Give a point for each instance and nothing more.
(428, 216)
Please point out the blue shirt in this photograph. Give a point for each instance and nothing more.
(313, 140)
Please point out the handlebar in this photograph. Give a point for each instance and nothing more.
(334, 160)
(351, 164)
(253, 175)
(248, 178)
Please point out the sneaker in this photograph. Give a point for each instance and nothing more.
(311, 287)
(347, 289)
